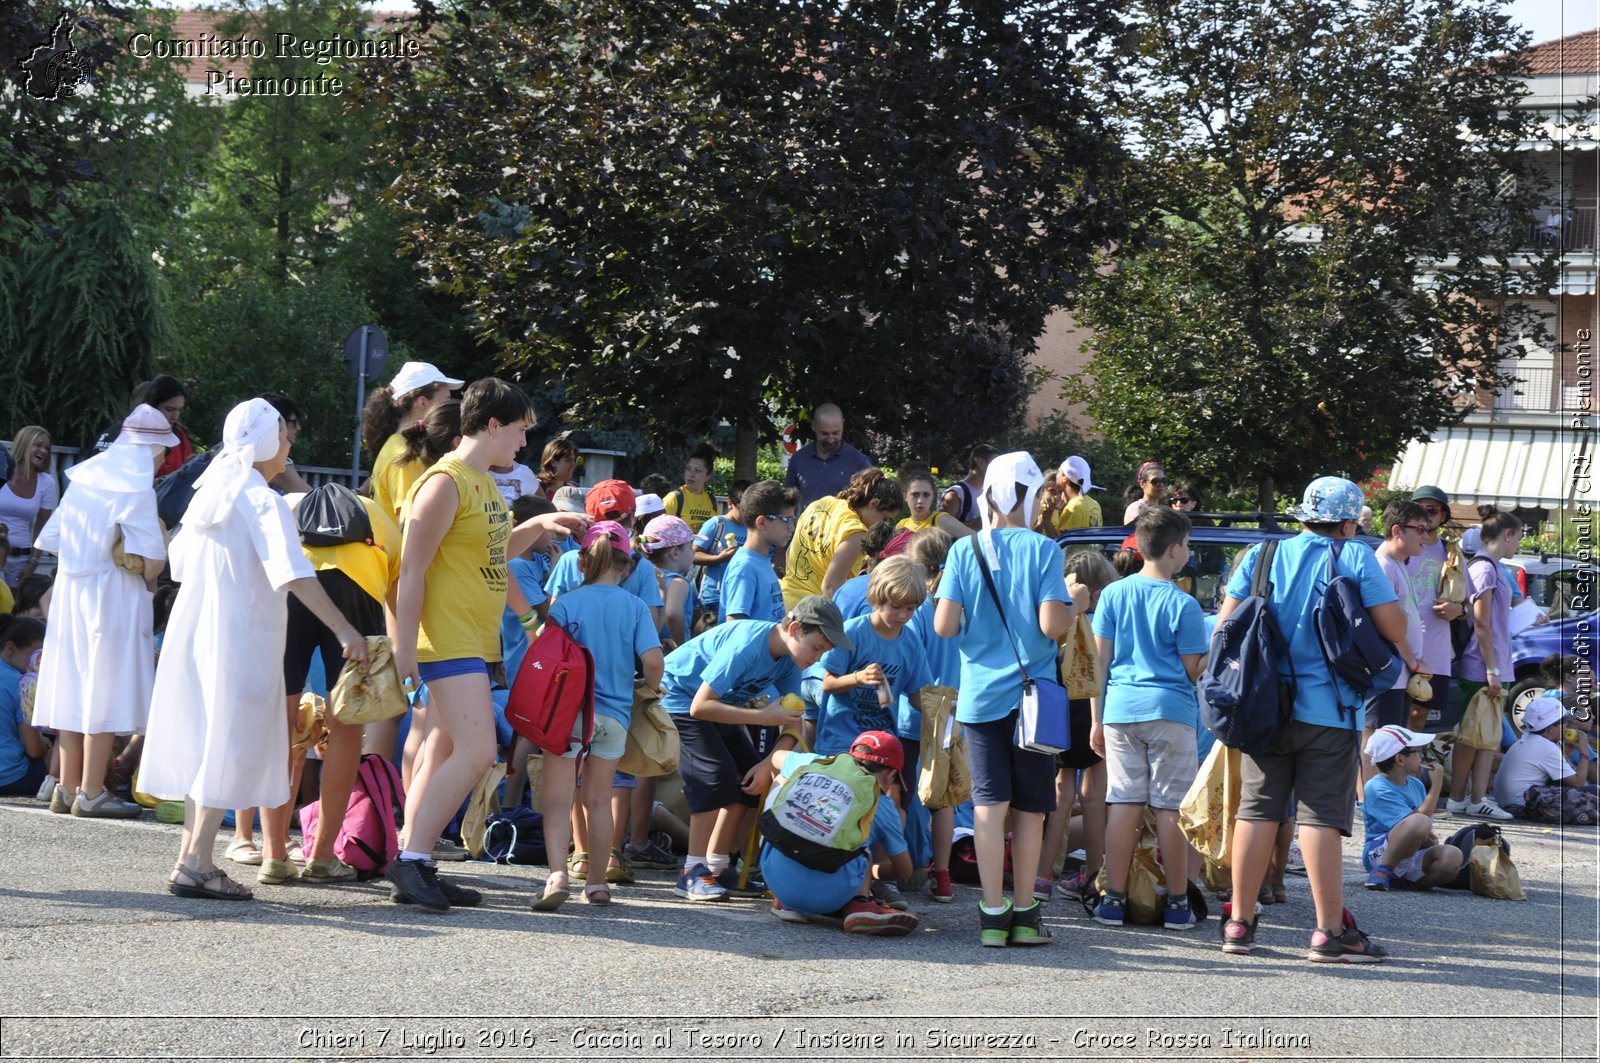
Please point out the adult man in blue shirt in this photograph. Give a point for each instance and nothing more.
(1316, 758)
(824, 467)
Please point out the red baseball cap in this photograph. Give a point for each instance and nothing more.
(608, 499)
(1132, 543)
(886, 749)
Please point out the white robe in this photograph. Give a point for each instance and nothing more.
(218, 729)
(98, 664)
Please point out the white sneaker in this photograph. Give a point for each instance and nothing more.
(1487, 809)
(47, 788)
(1456, 808)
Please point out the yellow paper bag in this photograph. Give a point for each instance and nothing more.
(652, 748)
(371, 694)
(1480, 723)
(484, 802)
(1492, 872)
(1077, 660)
(1208, 810)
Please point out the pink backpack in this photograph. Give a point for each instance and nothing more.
(367, 839)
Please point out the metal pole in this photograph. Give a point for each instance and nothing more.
(361, 402)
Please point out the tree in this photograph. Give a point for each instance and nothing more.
(1333, 202)
(688, 209)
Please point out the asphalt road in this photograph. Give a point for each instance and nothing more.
(98, 961)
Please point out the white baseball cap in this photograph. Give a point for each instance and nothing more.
(1387, 741)
(1541, 713)
(1077, 470)
(648, 506)
(414, 375)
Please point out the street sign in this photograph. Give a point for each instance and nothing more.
(366, 346)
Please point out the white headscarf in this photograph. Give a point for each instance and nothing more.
(125, 466)
(1000, 483)
(249, 435)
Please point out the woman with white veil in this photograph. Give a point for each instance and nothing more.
(95, 678)
(216, 737)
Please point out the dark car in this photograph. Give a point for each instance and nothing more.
(1215, 548)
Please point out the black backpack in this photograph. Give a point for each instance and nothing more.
(332, 515)
(175, 490)
(1244, 702)
(1354, 650)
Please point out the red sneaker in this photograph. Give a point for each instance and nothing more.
(940, 888)
(863, 915)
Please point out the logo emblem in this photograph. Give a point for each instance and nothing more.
(55, 70)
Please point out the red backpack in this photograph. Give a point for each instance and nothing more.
(367, 838)
(554, 684)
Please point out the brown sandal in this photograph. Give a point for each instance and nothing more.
(199, 885)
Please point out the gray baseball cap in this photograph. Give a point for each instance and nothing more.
(819, 612)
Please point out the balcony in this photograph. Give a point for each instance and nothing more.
(1571, 230)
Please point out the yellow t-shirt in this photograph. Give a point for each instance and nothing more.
(913, 525)
(695, 507)
(1080, 512)
(825, 524)
(465, 589)
(393, 479)
(6, 600)
(374, 568)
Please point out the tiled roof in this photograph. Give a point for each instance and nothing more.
(1578, 53)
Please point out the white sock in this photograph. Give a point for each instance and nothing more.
(410, 854)
(690, 862)
(718, 863)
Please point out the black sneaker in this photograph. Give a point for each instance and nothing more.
(410, 883)
(458, 896)
(1027, 926)
(1351, 946)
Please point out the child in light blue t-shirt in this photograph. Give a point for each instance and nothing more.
(616, 628)
(669, 544)
(750, 588)
(1151, 638)
(708, 684)
(862, 688)
(716, 544)
(1002, 646)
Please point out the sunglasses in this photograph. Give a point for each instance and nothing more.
(1182, 500)
(1431, 510)
(1159, 481)
(780, 520)
(1420, 528)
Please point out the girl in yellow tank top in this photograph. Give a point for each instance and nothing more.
(451, 594)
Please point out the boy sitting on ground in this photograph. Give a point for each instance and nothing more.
(815, 857)
(1535, 759)
(1401, 850)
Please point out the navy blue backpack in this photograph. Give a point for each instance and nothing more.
(514, 836)
(1243, 701)
(1350, 642)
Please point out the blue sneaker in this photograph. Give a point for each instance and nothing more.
(1176, 918)
(756, 886)
(698, 884)
(1111, 910)
(1381, 878)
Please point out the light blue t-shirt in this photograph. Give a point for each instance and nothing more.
(615, 627)
(1150, 623)
(851, 597)
(713, 538)
(751, 589)
(733, 659)
(1384, 804)
(530, 575)
(566, 574)
(690, 603)
(1030, 574)
(847, 714)
(944, 665)
(13, 754)
(1299, 577)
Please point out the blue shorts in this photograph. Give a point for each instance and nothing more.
(712, 761)
(1002, 773)
(432, 670)
(806, 890)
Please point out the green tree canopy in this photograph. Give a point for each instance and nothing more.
(683, 209)
(1334, 199)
